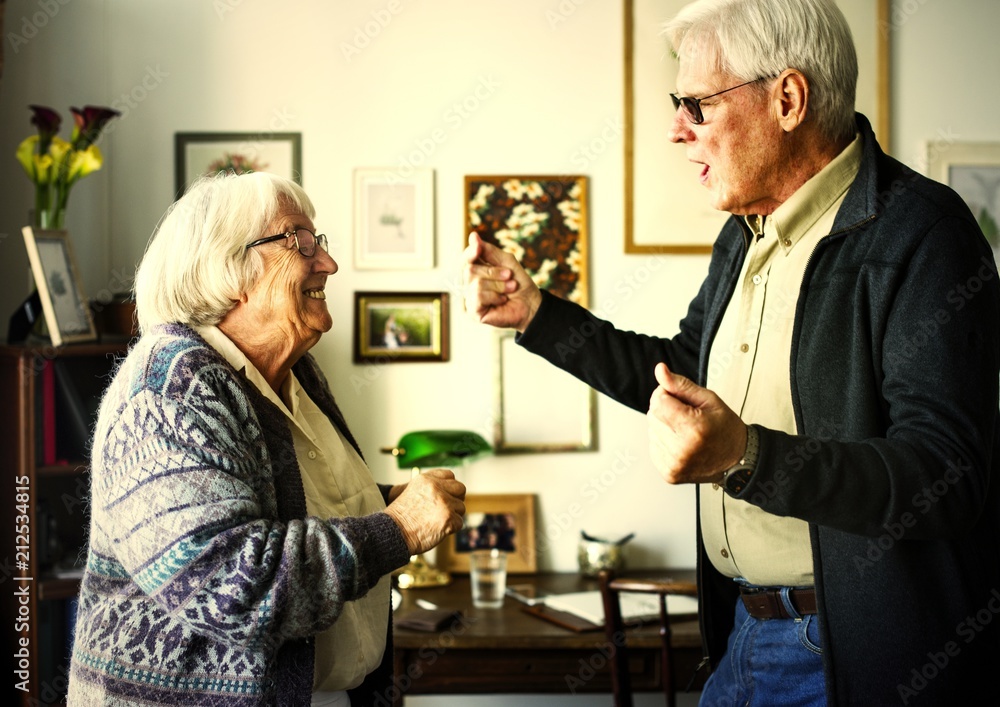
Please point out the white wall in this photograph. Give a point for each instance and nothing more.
(545, 91)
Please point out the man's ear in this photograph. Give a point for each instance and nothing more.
(790, 94)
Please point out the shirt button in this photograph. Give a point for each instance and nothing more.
(312, 454)
(787, 242)
(744, 347)
(725, 553)
(715, 487)
(757, 279)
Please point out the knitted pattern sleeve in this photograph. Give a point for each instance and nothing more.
(185, 494)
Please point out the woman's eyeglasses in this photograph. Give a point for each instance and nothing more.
(304, 240)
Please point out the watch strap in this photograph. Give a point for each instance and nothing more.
(738, 476)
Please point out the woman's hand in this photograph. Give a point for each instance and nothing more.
(430, 507)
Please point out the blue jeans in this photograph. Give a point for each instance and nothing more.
(768, 663)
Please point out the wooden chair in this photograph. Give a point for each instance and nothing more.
(614, 628)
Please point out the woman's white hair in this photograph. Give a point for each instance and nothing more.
(196, 264)
(761, 38)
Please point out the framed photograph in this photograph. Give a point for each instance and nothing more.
(524, 419)
(503, 521)
(973, 170)
(53, 265)
(393, 219)
(395, 327)
(680, 219)
(541, 220)
(196, 154)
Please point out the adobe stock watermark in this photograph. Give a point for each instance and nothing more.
(923, 502)
(31, 25)
(562, 12)
(366, 33)
(967, 630)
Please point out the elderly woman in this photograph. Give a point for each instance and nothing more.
(240, 551)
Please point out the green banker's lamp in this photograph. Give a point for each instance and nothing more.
(423, 450)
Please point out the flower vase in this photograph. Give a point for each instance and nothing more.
(51, 219)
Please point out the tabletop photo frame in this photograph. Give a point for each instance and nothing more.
(503, 521)
(53, 264)
(197, 154)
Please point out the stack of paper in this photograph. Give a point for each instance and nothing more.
(635, 607)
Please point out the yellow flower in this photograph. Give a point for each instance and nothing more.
(84, 162)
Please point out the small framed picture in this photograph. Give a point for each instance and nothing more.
(393, 219)
(973, 170)
(541, 220)
(53, 264)
(196, 154)
(396, 327)
(502, 521)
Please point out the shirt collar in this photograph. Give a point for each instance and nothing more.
(793, 219)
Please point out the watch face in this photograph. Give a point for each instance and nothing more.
(737, 480)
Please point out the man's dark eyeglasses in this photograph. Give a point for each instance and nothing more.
(692, 106)
(305, 241)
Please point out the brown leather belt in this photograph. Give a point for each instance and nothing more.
(767, 604)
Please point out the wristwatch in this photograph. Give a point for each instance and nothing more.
(738, 475)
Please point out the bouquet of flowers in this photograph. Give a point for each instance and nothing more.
(55, 165)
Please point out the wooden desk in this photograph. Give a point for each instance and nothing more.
(501, 651)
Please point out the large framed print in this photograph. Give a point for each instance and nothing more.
(393, 219)
(973, 170)
(53, 265)
(197, 154)
(666, 208)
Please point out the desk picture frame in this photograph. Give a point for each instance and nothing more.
(680, 220)
(511, 520)
(53, 264)
(197, 154)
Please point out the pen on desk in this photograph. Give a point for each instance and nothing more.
(424, 604)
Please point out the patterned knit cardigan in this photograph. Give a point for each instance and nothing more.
(205, 580)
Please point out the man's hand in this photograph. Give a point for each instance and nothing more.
(430, 507)
(498, 291)
(693, 435)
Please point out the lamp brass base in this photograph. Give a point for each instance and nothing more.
(418, 573)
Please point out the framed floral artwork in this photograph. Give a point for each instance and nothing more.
(397, 327)
(196, 154)
(393, 219)
(667, 210)
(505, 521)
(53, 265)
(541, 220)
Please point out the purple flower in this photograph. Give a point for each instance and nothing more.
(47, 121)
(90, 121)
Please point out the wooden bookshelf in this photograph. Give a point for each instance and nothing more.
(44, 431)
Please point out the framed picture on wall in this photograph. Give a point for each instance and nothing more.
(393, 219)
(541, 220)
(53, 265)
(973, 170)
(502, 521)
(397, 327)
(196, 154)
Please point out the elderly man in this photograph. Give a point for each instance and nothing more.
(833, 389)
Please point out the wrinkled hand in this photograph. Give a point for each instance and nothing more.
(431, 507)
(498, 291)
(693, 435)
